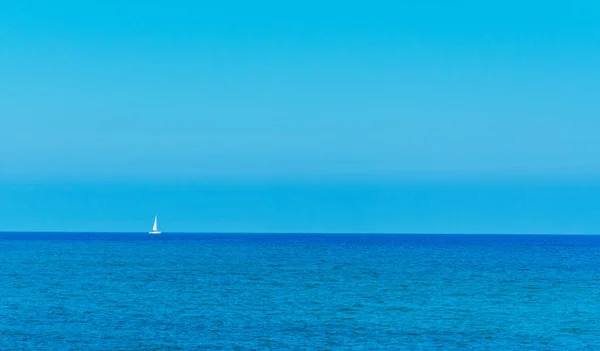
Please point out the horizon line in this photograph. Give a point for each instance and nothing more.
(290, 233)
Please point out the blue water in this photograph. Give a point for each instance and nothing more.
(298, 292)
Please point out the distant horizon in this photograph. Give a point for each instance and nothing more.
(298, 233)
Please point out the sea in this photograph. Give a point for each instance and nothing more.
(128, 291)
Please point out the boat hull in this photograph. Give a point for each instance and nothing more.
(154, 233)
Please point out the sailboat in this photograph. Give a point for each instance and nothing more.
(155, 227)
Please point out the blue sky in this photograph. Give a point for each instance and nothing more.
(335, 109)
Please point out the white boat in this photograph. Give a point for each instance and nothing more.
(155, 227)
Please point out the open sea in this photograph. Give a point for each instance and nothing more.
(81, 291)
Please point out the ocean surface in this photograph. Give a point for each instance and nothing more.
(81, 291)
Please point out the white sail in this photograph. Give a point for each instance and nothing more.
(155, 227)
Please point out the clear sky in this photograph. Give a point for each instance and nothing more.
(395, 116)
